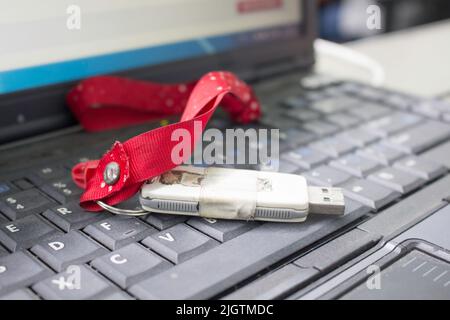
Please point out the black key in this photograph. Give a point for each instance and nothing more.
(371, 93)
(63, 190)
(3, 252)
(20, 295)
(316, 82)
(221, 230)
(334, 147)
(359, 137)
(351, 88)
(130, 264)
(381, 153)
(278, 122)
(65, 285)
(25, 232)
(334, 104)
(420, 138)
(306, 157)
(295, 102)
(45, 174)
(326, 176)
(439, 104)
(369, 193)
(392, 124)
(398, 180)
(287, 167)
(7, 188)
(24, 203)
(72, 248)
(314, 96)
(439, 154)
(399, 101)
(118, 295)
(334, 91)
(23, 184)
(446, 117)
(421, 167)
(163, 221)
(356, 165)
(354, 208)
(245, 256)
(19, 270)
(278, 166)
(343, 120)
(118, 231)
(72, 217)
(179, 243)
(302, 114)
(294, 137)
(368, 111)
(320, 128)
(431, 108)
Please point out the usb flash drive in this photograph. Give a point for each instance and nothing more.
(221, 193)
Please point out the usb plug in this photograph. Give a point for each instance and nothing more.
(329, 201)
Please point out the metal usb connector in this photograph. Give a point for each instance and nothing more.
(323, 200)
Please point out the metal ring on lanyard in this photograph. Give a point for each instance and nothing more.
(123, 212)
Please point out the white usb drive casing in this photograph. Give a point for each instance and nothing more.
(221, 193)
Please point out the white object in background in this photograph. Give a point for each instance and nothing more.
(351, 57)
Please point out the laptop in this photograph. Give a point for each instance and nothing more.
(388, 151)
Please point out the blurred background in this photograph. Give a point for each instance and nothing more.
(341, 20)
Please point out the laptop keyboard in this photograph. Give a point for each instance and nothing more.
(368, 141)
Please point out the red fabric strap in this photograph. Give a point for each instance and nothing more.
(110, 102)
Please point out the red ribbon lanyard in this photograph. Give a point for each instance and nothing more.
(110, 102)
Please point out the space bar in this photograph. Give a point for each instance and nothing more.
(216, 270)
